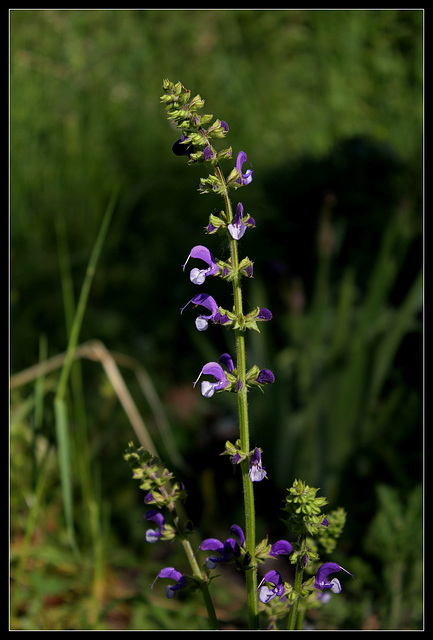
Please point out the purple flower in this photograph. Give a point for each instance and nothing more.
(322, 581)
(208, 154)
(238, 226)
(204, 300)
(208, 388)
(153, 535)
(231, 548)
(268, 593)
(198, 276)
(224, 126)
(265, 377)
(256, 471)
(282, 547)
(244, 178)
(264, 314)
(173, 574)
(181, 149)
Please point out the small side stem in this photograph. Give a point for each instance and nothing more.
(204, 587)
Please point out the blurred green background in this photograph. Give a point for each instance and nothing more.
(328, 105)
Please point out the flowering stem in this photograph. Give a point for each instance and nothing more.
(250, 525)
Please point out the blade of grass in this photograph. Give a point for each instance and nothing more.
(38, 406)
(60, 408)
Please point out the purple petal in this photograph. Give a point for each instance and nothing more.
(282, 547)
(265, 377)
(323, 572)
(274, 577)
(214, 369)
(212, 544)
(168, 572)
(264, 314)
(227, 361)
(155, 516)
(237, 530)
(245, 178)
(208, 154)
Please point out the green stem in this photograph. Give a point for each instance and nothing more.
(293, 613)
(248, 491)
(204, 586)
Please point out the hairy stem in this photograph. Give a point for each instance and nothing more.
(250, 524)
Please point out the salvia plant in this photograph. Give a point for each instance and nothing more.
(310, 531)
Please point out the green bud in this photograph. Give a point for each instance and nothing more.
(262, 550)
(225, 154)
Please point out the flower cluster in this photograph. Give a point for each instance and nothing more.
(273, 586)
(304, 509)
(155, 479)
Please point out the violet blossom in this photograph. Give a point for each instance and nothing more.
(256, 471)
(265, 377)
(264, 314)
(153, 535)
(208, 153)
(198, 276)
(322, 581)
(205, 300)
(266, 593)
(221, 382)
(173, 574)
(238, 227)
(244, 178)
(227, 550)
